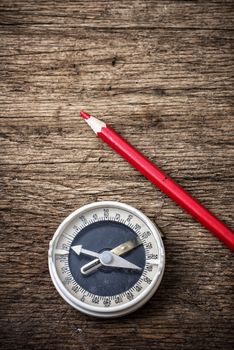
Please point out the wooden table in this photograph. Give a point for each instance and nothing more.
(167, 65)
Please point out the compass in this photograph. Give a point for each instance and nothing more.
(106, 259)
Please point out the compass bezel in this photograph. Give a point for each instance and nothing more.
(111, 311)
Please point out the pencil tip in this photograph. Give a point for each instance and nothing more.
(85, 115)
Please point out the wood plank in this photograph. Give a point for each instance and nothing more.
(167, 65)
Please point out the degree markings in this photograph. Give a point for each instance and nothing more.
(134, 290)
(61, 251)
(152, 262)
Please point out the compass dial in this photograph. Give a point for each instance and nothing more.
(106, 259)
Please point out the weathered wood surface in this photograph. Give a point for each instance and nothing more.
(167, 65)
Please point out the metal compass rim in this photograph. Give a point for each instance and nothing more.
(112, 311)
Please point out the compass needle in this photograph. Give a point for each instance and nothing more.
(107, 258)
(78, 250)
(101, 234)
(119, 250)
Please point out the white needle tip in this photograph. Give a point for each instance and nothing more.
(77, 249)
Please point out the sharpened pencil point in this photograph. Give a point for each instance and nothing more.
(85, 115)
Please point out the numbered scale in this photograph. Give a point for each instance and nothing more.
(106, 259)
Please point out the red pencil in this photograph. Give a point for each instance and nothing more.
(161, 180)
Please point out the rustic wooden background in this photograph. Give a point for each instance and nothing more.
(167, 66)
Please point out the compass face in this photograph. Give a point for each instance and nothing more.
(106, 259)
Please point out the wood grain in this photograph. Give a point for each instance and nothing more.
(167, 65)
